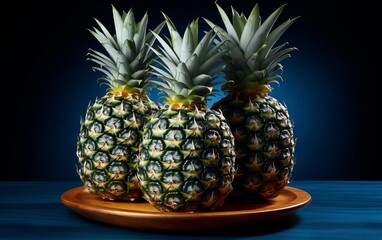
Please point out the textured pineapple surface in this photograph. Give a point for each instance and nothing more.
(108, 145)
(264, 145)
(186, 160)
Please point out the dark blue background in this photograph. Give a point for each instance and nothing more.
(329, 84)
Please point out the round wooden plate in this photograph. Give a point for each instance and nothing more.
(141, 215)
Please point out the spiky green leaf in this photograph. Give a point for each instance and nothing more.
(250, 27)
(260, 35)
(118, 25)
(140, 35)
(234, 49)
(211, 62)
(129, 25)
(106, 34)
(192, 64)
(109, 47)
(275, 35)
(168, 63)
(228, 25)
(200, 90)
(139, 74)
(194, 27)
(187, 47)
(167, 48)
(201, 79)
(150, 39)
(277, 57)
(161, 73)
(101, 57)
(237, 22)
(176, 39)
(183, 75)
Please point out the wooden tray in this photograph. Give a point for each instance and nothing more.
(141, 215)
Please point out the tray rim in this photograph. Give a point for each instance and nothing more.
(148, 219)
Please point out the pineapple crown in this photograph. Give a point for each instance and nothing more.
(126, 65)
(187, 68)
(252, 60)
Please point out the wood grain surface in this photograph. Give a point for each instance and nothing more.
(338, 210)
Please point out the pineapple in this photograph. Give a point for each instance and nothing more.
(109, 136)
(187, 157)
(264, 141)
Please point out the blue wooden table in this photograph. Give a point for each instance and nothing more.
(338, 210)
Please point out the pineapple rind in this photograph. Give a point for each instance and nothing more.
(107, 146)
(264, 150)
(194, 172)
